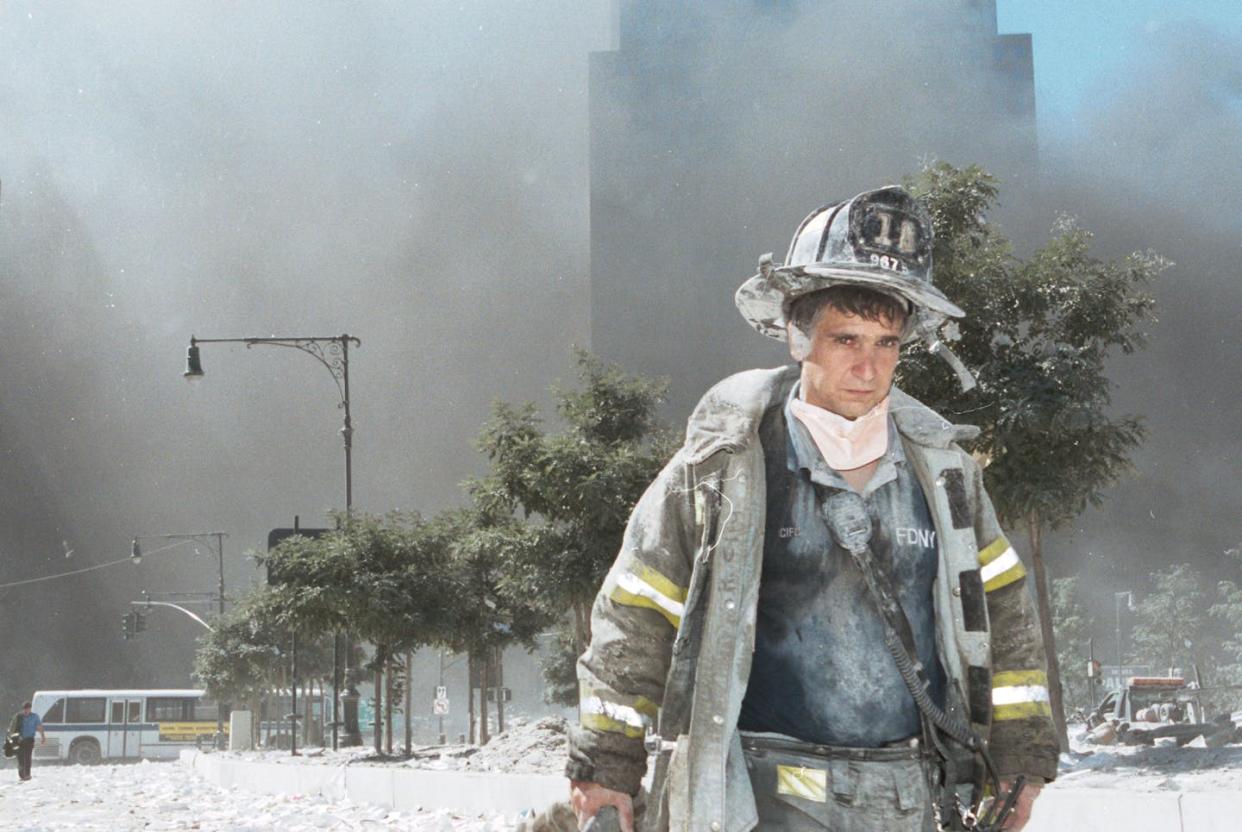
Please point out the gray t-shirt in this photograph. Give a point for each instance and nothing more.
(821, 672)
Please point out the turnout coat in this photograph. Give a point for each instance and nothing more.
(673, 626)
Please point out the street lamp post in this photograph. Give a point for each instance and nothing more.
(1129, 597)
(205, 538)
(333, 353)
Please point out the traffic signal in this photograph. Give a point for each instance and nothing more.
(140, 622)
(127, 626)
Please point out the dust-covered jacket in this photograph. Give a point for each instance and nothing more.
(673, 627)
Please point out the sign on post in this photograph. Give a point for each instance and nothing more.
(440, 706)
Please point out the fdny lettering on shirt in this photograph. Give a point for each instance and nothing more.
(916, 537)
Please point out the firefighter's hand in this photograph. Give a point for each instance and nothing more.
(42, 740)
(1022, 809)
(589, 798)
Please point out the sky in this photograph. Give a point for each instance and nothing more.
(1079, 45)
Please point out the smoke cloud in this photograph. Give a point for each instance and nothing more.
(1157, 163)
(412, 174)
(417, 175)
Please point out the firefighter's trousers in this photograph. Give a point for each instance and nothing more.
(801, 787)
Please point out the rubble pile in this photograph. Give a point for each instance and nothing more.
(537, 747)
(1221, 731)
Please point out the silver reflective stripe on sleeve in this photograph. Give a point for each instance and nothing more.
(639, 588)
(1019, 693)
(612, 716)
(1006, 561)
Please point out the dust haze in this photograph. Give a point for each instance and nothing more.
(1156, 161)
(416, 174)
(412, 174)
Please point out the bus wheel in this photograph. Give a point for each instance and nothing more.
(84, 753)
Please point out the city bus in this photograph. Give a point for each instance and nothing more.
(87, 726)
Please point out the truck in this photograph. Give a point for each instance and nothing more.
(1152, 707)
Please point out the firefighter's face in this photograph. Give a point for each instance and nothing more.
(850, 366)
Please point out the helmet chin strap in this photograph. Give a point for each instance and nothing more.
(926, 330)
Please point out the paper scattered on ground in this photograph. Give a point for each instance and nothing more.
(169, 796)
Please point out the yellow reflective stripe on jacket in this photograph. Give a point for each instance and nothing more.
(999, 565)
(645, 587)
(604, 710)
(1020, 694)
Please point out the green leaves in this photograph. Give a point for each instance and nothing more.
(486, 605)
(1172, 624)
(380, 578)
(575, 488)
(1037, 334)
(243, 657)
(1073, 628)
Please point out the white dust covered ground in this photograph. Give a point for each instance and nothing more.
(1147, 768)
(168, 796)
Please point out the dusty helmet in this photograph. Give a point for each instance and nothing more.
(880, 240)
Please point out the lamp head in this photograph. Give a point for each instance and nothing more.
(135, 553)
(193, 364)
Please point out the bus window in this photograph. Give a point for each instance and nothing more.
(56, 713)
(135, 711)
(86, 709)
(118, 713)
(205, 711)
(170, 709)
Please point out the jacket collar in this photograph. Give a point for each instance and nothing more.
(728, 415)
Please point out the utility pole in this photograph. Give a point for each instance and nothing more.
(1091, 673)
(205, 538)
(409, 701)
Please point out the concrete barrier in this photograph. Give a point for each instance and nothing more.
(1211, 811)
(407, 789)
(1064, 810)
(404, 789)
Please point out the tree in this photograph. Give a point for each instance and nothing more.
(575, 488)
(1172, 626)
(1226, 612)
(246, 656)
(1072, 629)
(1037, 335)
(382, 579)
(560, 668)
(238, 661)
(482, 615)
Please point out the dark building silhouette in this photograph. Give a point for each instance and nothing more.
(717, 125)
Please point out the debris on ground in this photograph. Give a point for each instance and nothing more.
(539, 747)
(1164, 764)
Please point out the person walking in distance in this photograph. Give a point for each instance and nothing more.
(25, 723)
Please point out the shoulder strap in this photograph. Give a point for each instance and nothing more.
(851, 528)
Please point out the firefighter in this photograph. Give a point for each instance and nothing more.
(743, 637)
